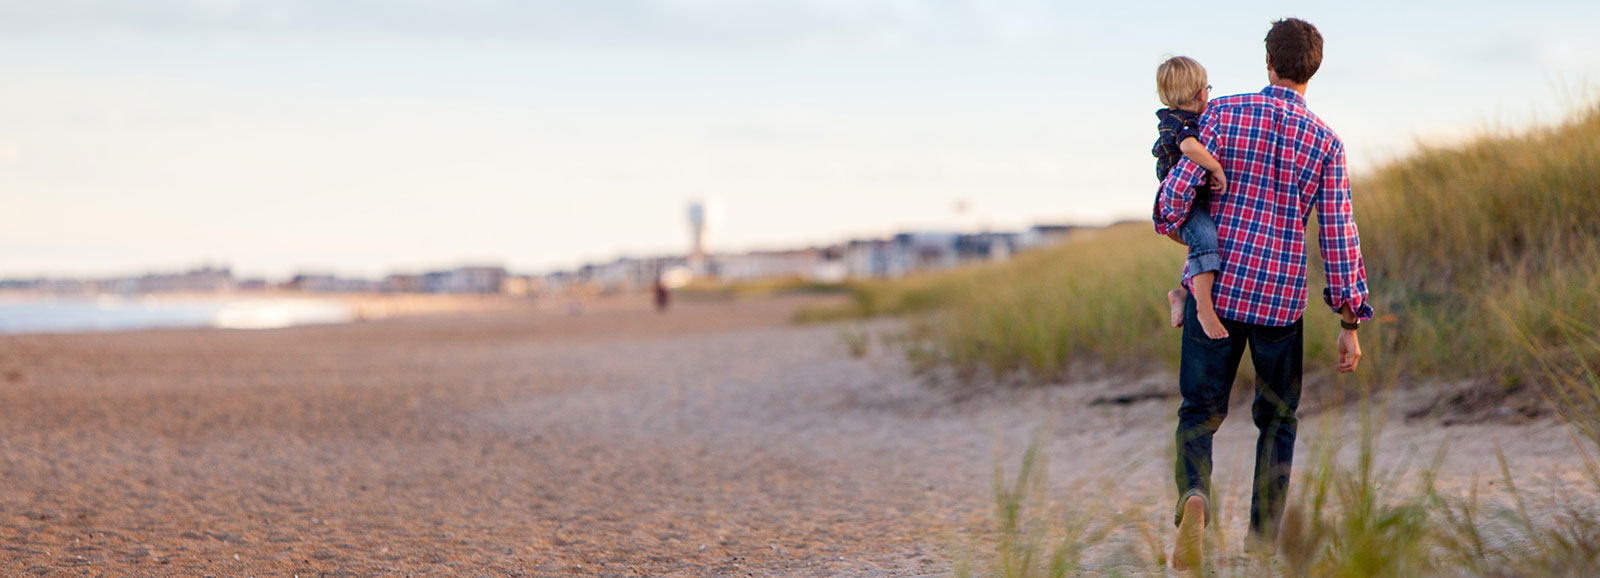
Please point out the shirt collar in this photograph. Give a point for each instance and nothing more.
(1282, 93)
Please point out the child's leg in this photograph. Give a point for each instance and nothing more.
(1200, 233)
(1205, 308)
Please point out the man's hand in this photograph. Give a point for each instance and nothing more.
(1176, 238)
(1219, 182)
(1349, 350)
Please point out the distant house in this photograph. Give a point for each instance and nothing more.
(866, 258)
(1044, 235)
(986, 247)
(624, 274)
(801, 264)
(313, 283)
(523, 285)
(472, 280)
(482, 280)
(921, 251)
(402, 283)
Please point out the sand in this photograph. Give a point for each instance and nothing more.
(715, 440)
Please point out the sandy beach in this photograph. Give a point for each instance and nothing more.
(715, 440)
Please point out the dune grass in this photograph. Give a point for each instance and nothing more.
(1471, 252)
(1356, 516)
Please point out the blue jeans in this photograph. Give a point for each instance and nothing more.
(1205, 378)
(1199, 232)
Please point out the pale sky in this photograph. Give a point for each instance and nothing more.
(367, 136)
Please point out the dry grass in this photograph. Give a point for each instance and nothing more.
(1349, 517)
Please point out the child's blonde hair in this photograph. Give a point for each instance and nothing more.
(1179, 81)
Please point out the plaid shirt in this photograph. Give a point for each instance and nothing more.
(1281, 162)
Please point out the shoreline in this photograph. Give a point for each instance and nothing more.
(34, 313)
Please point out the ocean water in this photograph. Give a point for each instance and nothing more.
(117, 313)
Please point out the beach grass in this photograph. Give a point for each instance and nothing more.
(1473, 252)
(1351, 515)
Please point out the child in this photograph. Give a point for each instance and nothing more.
(1181, 83)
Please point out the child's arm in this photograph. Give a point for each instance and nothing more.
(1197, 153)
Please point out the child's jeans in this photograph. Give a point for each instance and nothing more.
(1199, 232)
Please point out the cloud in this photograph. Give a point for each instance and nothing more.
(674, 23)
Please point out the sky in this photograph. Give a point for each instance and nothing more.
(362, 137)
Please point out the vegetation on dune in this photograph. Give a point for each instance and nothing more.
(1473, 254)
(1356, 518)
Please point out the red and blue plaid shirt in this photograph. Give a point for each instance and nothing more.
(1281, 162)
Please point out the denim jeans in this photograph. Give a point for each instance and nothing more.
(1205, 378)
(1199, 232)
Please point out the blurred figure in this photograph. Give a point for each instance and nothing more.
(663, 295)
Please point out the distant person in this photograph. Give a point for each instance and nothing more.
(1181, 84)
(1282, 162)
(663, 295)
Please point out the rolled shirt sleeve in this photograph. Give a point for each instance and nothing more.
(1339, 240)
(1176, 196)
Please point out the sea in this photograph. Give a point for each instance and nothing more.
(52, 314)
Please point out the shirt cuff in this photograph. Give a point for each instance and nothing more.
(1357, 302)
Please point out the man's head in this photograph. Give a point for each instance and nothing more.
(1294, 51)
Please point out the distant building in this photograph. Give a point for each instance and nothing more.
(986, 247)
(482, 280)
(313, 283)
(1043, 235)
(699, 228)
(801, 264)
(402, 283)
(476, 280)
(523, 285)
(922, 251)
(871, 258)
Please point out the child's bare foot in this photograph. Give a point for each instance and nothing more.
(1175, 299)
(1211, 324)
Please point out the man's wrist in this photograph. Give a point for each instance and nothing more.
(1347, 318)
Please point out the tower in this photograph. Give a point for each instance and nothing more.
(699, 222)
(697, 230)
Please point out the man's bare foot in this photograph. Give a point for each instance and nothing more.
(1211, 324)
(1258, 546)
(1188, 553)
(1175, 299)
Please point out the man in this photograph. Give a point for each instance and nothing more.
(1281, 162)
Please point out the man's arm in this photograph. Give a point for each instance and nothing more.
(1341, 256)
(1340, 244)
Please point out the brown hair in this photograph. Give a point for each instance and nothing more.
(1294, 49)
(1179, 81)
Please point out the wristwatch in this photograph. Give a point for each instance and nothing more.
(1351, 325)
